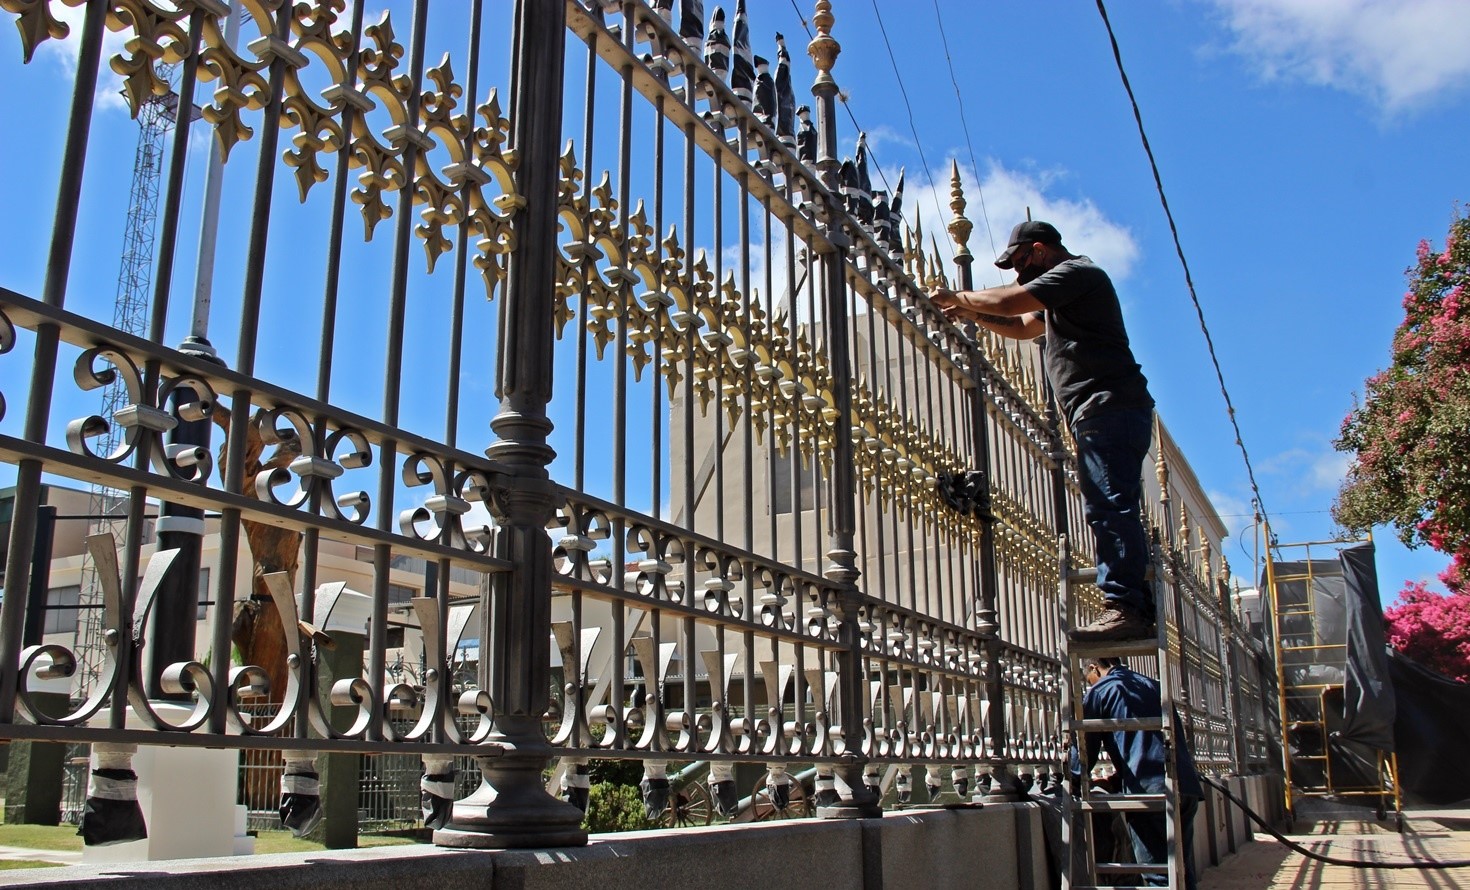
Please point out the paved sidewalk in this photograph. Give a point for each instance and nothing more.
(64, 857)
(1442, 835)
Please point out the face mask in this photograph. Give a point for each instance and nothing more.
(1028, 272)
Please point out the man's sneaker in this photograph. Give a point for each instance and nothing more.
(1114, 624)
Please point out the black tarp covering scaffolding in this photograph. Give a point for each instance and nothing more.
(1339, 700)
(1372, 698)
(1368, 694)
(1430, 730)
(1431, 724)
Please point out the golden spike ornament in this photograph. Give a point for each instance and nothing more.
(823, 49)
(959, 227)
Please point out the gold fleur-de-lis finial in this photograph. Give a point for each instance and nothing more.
(824, 49)
(960, 227)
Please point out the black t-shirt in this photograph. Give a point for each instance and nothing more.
(1091, 369)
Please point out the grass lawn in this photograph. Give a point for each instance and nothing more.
(41, 837)
(9, 864)
(65, 837)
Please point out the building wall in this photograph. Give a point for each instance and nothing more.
(337, 562)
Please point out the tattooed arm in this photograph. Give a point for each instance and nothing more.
(1009, 310)
(1018, 327)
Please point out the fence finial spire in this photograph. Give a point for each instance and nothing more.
(960, 227)
(824, 49)
(1161, 464)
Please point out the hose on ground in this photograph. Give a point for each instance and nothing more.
(1330, 860)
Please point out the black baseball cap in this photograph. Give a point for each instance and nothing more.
(1028, 232)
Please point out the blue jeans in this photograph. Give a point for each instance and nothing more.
(1151, 844)
(1110, 452)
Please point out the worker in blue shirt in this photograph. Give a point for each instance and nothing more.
(1116, 692)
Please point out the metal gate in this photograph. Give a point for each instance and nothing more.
(588, 313)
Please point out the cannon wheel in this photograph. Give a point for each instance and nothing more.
(799, 806)
(689, 805)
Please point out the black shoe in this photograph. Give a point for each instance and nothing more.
(1114, 624)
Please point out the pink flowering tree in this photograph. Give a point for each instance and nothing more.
(1433, 629)
(1410, 441)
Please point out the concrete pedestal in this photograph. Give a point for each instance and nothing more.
(244, 843)
(188, 800)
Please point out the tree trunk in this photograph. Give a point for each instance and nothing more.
(258, 634)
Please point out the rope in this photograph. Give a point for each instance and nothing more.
(1179, 249)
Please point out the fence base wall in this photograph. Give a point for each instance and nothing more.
(915, 848)
(1221, 828)
(935, 849)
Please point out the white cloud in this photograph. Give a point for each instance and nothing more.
(884, 135)
(1330, 469)
(1237, 547)
(1233, 510)
(1309, 469)
(1008, 194)
(1396, 53)
(64, 53)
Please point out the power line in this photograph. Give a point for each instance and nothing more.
(1179, 249)
(960, 100)
(913, 128)
(846, 107)
(1279, 513)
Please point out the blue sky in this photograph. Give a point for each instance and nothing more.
(1306, 148)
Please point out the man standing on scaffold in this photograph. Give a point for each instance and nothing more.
(1070, 302)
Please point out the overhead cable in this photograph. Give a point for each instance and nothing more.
(960, 100)
(1179, 249)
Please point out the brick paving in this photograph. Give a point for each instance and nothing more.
(1267, 864)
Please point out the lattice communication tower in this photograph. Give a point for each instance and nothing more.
(108, 507)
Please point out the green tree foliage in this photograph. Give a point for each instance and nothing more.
(615, 807)
(616, 772)
(1410, 437)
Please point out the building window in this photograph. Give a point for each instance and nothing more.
(399, 595)
(781, 468)
(61, 609)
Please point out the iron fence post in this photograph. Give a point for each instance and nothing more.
(1004, 786)
(180, 527)
(1007, 785)
(28, 489)
(512, 807)
(857, 800)
(1230, 669)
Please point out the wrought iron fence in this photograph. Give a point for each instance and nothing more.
(749, 490)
